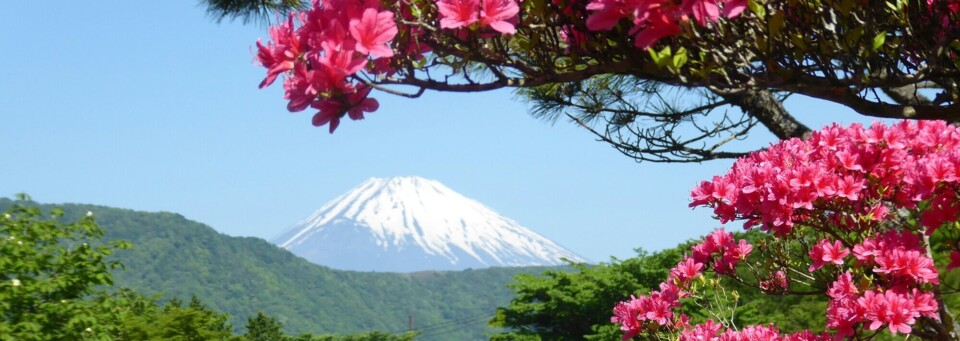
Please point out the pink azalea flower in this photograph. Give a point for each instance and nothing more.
(825, 252)
(723, 190)
(849, 160)
(354, 105)
(606, 13)
(659, 310)
(682, 322)
(843, 287)
(843, 314)
(301, 88)
(659, 25)
(720, 238)
(337, 65)
(701, 253)
(733, 8)
(625, 314)
(954, 260)
(879, 212)
(925, 304)
(943, 209)
(849, 187)
(702, 332)
(741, 250)
(686, 270)
(908, 264)
(900, 313)
(373, 31)
(753, 333)
(777, 283)
(498, 13)
(702, 193)
(896, 310)
(726, 264)
(458, 13)
(703, 10)
(279, 55)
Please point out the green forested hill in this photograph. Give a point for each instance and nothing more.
(241, 276)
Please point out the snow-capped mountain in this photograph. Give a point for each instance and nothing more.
(406, 224)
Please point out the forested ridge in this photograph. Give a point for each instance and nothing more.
(241, 276)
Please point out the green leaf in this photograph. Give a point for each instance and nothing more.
(879, 40)
(776, 23)
(661, 58)
(757, 8)
(679, 58)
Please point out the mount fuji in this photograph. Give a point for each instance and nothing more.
(407, 224)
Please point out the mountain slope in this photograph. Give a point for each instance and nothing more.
(241, 276)
(406, 224)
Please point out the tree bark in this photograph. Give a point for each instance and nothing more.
(762, 105)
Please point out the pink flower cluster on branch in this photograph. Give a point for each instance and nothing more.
(649, 313)
(334, 53)
(720, 250)
(496, 14)
(889, 290)
(334, 42)
(852, 306)
(657, 19)
(324, 50)
(710, 330)
(851, 178)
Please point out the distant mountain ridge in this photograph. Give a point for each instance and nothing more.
(406, 224)
(244, 275)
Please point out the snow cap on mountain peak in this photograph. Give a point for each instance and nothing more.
(415, 224)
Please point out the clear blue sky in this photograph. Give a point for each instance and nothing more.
(153, 106)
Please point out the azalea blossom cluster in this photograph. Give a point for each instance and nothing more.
(893, 294)
(334, 41)
(657, 308)
(710, 330)
(874, 307)
(324, 49)
(861, 202)
(719, 251)
(331, 53)
(849, 178)
(657, 19)
(722, 251)
(499, 15)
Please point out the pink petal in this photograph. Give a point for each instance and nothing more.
(503, 27)
(733, 8)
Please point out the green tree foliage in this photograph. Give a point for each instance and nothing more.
(259, 10)
(48, 271)
(263, 328)
(144, 318)
(370, 336)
